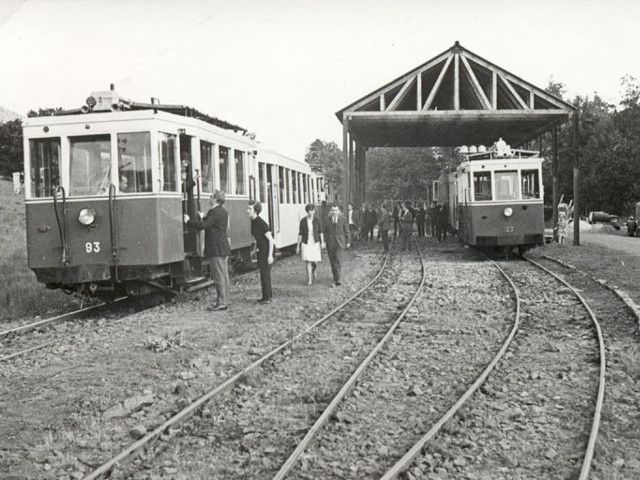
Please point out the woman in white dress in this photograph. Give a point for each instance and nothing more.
(310, 242)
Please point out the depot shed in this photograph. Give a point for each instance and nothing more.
(456, 98)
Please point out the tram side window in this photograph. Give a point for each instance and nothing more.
(294, 187)
(530, 184)
(261, 183)
(206, 164)
(167, 144)
(506, 185)
(134, 162)
(90, 165)
(482, 186)
(45, 166)
(281, 181)
(240, 180)
(223, 161)
(287, 184)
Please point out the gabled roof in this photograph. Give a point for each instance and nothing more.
(455, 98)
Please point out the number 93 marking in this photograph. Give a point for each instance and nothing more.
(92, 247)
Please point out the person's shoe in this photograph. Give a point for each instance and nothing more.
(217, 308)
(263, 301)
(338, 284)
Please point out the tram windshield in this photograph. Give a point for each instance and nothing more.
(90, 165)
(134, 162)
(530, 184)
(44, 166)
(506, 185)
(482, 186)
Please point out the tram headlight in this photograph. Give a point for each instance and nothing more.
(508, 212)
(87, 216)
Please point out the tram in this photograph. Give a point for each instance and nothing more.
(495, 198)
(106, 187)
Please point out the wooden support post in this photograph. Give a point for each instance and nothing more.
(352, 171)
(456, 82)
(346, 164)
(554, 184)
(576, 179)
(363, 176)
(494, 90)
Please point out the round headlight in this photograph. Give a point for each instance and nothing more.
(508, 212)
(87, 216)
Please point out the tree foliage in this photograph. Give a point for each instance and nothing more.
(11, 149)
(328, 156)
(403, 173)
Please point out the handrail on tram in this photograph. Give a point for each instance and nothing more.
(62, 226)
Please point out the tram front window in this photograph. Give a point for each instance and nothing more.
(45, 166)
(530, 184)
(90, 165)
(481, 186)
(506, 185)
(134, 162)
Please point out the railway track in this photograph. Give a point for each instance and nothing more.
(530, 416)
(265, 361)
(8, 337)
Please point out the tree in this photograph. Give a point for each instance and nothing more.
(403, 173)
(328, 156)
(11, 148)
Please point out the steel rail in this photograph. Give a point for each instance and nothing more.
(326, 415)
(404, 463)
(58, 318)
(135, 448)
(28, 350)
(595, 426)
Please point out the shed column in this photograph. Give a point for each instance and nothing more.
(576, 180)
(554, 184)
(346, 164)
(353, 175)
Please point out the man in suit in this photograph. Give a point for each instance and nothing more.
(406, 225)
(384, 224)
(337, 237)
(216, 246)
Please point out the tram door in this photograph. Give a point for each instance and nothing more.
(272, 195)
(188, 196)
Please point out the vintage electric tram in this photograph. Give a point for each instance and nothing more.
(495, 198)
(107, 185)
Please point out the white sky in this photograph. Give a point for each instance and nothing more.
(282, 68)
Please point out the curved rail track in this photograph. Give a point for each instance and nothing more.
(409, 458)
(135, 449)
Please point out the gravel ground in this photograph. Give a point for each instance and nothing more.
(68, 408)
(616, 454)
(532, 417)
(453, 330)
(250, 433)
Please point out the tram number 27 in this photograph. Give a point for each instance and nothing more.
(92, 247)
(509, 229)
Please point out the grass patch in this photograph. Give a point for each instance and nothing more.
(20, 294)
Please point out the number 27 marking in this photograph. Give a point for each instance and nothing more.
(92, 247)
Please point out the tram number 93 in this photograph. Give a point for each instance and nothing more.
(92, 247)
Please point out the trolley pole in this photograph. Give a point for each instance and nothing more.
(576, 179)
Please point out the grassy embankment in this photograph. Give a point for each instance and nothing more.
(20, 294)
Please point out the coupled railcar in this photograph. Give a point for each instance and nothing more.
(106, 187)
(495, 199)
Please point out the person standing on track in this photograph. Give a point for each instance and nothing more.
(216, 247)
(337, 238)
(406, 226)
(264, 246)
(354, 219)
(311, 241)
(384, 223)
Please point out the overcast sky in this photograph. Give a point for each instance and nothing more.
(282, 68)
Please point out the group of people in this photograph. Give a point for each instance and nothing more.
(333, 231)
(217, 248)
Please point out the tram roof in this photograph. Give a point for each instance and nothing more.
(182, 110)
(456, 98)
